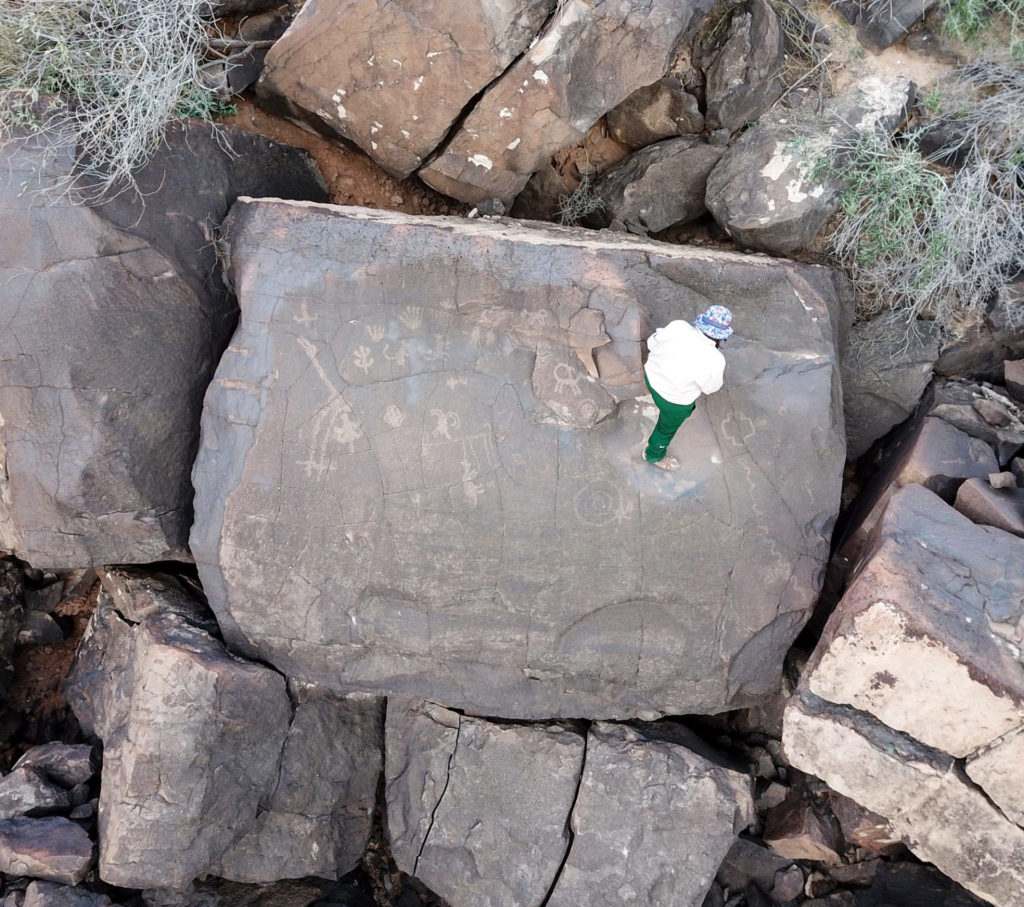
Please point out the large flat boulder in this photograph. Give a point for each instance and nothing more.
(420, 468)
(115, 316)
(392, 76)
(589, 58)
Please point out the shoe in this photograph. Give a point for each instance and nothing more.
(669, 464)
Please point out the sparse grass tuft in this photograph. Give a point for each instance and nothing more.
(966, 20)
(105, 76)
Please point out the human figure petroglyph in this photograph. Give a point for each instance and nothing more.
(363, 359)
(304, 317)
(393, 416)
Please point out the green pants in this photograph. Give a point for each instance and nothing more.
(670, 417)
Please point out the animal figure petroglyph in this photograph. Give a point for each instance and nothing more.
(566, 379)
(445, 424)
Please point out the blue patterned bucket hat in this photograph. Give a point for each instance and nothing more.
(716, 323)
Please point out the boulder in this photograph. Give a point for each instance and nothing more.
(434, 486)
(748, 861)
(914, 885)
(192, 742)
(1013, 372)
(97, 435)
(942, 817)
(67, 764)
(588, 59)
(477, 810)
(317, 821)
(661, 185)
(936, 597)
(652, 821)
(656, 111)
(930, 452)
(766, 192)
(886, 367)
(880, 26)
(25, 792)
(392, 76)
(863, 828)
(977, 500)
(745, 77)
(981, 412)
(52, 848)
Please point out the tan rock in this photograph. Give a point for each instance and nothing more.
(999, 769)
(942, 817)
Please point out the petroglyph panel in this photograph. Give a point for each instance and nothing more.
(415, 477)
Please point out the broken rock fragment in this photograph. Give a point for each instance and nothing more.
(477, 809)
(420, 468)
(652, 821)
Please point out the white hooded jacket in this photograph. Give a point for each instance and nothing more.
(683, 363)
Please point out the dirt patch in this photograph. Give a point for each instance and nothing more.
(35, 696)
(352, 178)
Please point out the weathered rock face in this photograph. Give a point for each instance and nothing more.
(477, 810)
(879, 28)
(590, 57)
(192, 739)
(420, 466)
(940, 600)
(652, 821)
(210, 767)
(654, 112)
(394, 76)
(661, 185)
(885, 372)
(113, 332)
(765, 191)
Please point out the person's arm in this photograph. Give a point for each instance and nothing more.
(714, 377)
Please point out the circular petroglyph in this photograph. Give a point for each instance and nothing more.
(599, 503)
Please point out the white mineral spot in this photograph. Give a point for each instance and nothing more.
(771, 204)
(417, 83)
(397, 63)
(434, 53)
(481, 160)
(715, 458)
(415, 118)
(511, 146)
(370, 61)
(541, 76)
(405, 133)
(342, 112)
(373, 145)
(505, 113)
(816, 192)
(794, 193)
(778, 164)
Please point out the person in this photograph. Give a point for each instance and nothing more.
(683, 361)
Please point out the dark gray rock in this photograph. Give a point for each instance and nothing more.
(880, 25)
(749, 861)
(958, 404)
(886, 367)
(52, 848)
(318, 820)
(652, 821)
(192, 741)
(98, 435)
(50, 894)
(661, 185)
(424, 509)
(977, 500)
(1013, 377)
(12, 613)
(393, 76)
(654, 112)
(68, 764)
(765, 191)
(973, 353)
(745, 78)
(26, 792)
(589, 58)
(478, 810)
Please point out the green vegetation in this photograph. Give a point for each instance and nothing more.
(967, 20)
(103, 76)
(926, 241)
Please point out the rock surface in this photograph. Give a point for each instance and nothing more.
(765, 191)
(589, 57)
(420, 471)
(477, 809)
(52, 848)
(114, 329)
(192, 738)
(392, 76)
(654, 112)
(977, 500)
(652, 820)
